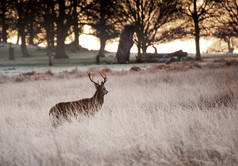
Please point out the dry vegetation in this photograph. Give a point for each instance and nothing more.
(149, 117)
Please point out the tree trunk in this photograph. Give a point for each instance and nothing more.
(50, 42)
(49, 53)
(125, 44)
(230, 48)
(197, 31)
(144, 48)
(31, 30)
(60, 48)
(101, 52)
(138, 49)
(18, 37)
(139, 52)
(197, 40)
(50, 39)
(61, 35)
(61, 32)
(23, 47)
(76, 38)
(23, 41)
(76, 27)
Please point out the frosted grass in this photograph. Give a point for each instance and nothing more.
(184, 118)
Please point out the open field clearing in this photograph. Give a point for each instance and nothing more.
(174, 116)
(38, 58)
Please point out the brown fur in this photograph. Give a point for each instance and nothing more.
(88, 106)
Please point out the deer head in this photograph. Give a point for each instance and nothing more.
(99, 87)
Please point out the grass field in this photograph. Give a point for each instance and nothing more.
(38, 57)
(148, 118)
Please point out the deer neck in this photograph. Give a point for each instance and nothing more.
(98, 97)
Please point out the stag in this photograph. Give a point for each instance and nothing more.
(88, 106)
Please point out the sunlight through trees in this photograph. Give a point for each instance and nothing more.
(157, 21)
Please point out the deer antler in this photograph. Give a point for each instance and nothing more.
(105, 78)
(89, 75)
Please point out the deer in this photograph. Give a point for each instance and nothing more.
(87, 106)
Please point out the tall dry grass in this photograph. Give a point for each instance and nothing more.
(183, 118)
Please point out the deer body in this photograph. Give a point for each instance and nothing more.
(88, 106)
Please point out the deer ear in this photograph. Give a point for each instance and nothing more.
(96, 86)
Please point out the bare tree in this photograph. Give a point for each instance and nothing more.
(148, 16)
(106, 19)
(197, 12)
(59, 19)
(226, 26)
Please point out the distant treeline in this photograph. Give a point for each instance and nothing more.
(156, 21)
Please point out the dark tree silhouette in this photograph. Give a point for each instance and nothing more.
(59, 19)
(197, 12)
(106, 19)
(125, 44)
(63, 17)
(8, 19)
(231, 13)
(47, 23)
(149, 16)
(22, 7)
(66, 13)
(226, 27)
(32, 18)
(77, 26)
(223, 31)
(3, 20)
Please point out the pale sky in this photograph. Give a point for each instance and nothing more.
(92, 43)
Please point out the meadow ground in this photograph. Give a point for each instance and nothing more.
(154, 116)
(38, 57)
